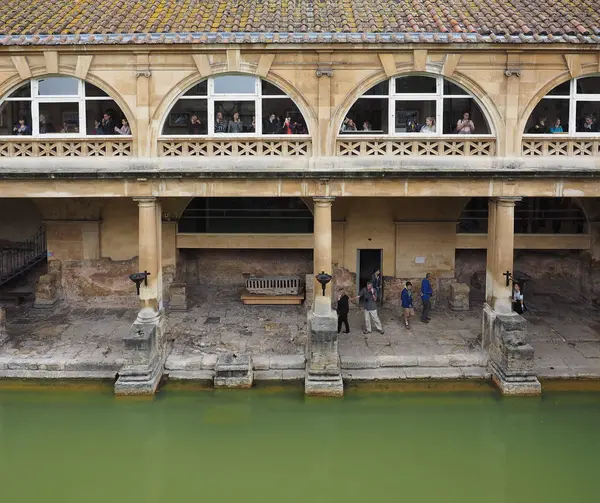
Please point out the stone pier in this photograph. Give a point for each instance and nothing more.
(323, 371)
(145, 342)
(504, 332)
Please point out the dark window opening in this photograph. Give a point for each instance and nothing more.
(246, 215)
(533, 215)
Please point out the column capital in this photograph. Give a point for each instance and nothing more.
(507, 200)
(324, 200)
(145, 201)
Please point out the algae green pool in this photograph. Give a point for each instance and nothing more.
(262, 446)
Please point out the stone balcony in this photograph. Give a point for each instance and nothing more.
(419, 145)
(190, 146)
(96, 146)
(559, 145)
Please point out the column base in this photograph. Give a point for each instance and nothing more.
(524, 386)
(233, 371)
(139, 379)
(323, 371)
(315, 385)
(511, 357)
(145, 355)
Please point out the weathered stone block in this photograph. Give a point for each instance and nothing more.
(178, 297)
(459, 297)
(48, 287)
(144, 355)
(323, 373)
(233, 371)
(511, 356)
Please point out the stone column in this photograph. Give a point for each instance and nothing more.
(502, 239)
(144, 343)
(504, 332)
(150, 252)
(322, 256)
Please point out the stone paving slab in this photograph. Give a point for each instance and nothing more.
(88, 341)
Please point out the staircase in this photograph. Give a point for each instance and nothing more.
(16, 259)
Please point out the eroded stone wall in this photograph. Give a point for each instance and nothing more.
(228, 268)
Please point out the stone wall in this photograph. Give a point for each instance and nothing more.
(99, 282)
(563, 272)
(229, 267)
(21, 220)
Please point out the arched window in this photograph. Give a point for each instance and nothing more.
(415, 104)
(234, 105)
(61, 106)
(571, 108)
(246, 215)
(533, 215)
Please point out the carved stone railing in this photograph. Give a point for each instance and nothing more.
(234, 147)
(372, 146)
(556, 145)
(107, 146)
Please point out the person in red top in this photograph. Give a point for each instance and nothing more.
(287, 126)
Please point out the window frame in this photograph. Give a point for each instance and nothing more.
(80, 98)
(439, 96)
(573, 99)
(212, 98)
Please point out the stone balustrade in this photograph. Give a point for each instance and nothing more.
(23, 146)
(250, 146)
(558, 145)
(422, 146)
(274, 285)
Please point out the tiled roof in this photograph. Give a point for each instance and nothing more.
(25, 22)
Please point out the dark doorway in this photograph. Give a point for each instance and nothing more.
(368, 261)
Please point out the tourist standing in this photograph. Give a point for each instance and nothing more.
(369, 297)
(343, 308)
(377, 282)
(407, 303)
(426, 293)
(518, 301)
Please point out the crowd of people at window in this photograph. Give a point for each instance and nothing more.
(465, 125)
(105, 125)
(588, 124)
(272, 125)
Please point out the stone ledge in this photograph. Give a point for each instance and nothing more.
(60, 374)
(197, 375)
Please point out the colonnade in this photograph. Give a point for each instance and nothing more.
(499, 251)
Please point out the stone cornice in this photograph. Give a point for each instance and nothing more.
(321, 168)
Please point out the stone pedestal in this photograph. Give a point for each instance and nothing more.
(459, 297)
(309, 291)
(511, 356)
(3, 332)
(178, 297)
(323, 372)
(48, 287)
(234, 371)
(144, 354)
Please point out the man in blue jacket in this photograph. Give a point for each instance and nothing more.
(426, 293)
(407, 304)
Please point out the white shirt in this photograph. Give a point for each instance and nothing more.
(517, 296)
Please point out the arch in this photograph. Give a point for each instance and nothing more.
(487, 106)
(169, 100)
(246, 215)
(15, 82)
(553, 215)
(544, 91)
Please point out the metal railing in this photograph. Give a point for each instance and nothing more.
(17, 258)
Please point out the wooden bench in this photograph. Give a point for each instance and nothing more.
(273, 290)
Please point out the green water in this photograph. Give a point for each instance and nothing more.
(260, 446)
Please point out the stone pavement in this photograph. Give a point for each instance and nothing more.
(80, 343)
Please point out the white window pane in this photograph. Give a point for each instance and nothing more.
(235, 84)
(58, 86)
